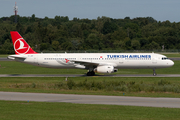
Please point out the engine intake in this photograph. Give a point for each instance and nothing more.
(105, 69)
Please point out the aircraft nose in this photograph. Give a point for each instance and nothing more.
(170, 63)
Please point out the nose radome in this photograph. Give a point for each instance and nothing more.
(171, 63)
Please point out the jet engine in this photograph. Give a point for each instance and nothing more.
(105, 69)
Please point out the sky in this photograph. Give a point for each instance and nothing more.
(160, 10)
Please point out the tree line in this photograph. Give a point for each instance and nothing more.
(104, 33)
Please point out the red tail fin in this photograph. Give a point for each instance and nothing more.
(20, 45)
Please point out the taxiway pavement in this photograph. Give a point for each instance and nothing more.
(92, 99)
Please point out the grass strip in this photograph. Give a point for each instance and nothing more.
(144, 87)
(14, 110)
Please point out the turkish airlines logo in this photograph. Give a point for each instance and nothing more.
(20, 46)
(67, 60)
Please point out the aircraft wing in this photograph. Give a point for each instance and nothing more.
(85, 63)
(91, 64)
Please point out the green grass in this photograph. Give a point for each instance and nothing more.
(14, 110)
(12, 67)
(59, 85)
(3, 56)
(172, 55)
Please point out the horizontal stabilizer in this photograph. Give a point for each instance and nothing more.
(14, 57)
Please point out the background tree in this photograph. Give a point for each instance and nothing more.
(135, 44)
(103, 33)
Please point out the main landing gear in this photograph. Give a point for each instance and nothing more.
(154, 72)
(91, 73)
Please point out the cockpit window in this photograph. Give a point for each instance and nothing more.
(165, 58)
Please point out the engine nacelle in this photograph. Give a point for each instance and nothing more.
(105, 69)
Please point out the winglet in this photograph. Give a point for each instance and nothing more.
(20, 45)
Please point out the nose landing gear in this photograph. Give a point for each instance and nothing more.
(154, 72)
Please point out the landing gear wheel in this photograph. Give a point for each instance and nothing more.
(93, 73)
(90, 73)
(154, 72)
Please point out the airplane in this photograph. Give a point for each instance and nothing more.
(93, 62)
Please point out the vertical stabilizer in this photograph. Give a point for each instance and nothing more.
(20, 45)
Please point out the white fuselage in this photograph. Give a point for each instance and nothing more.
(86, 60)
